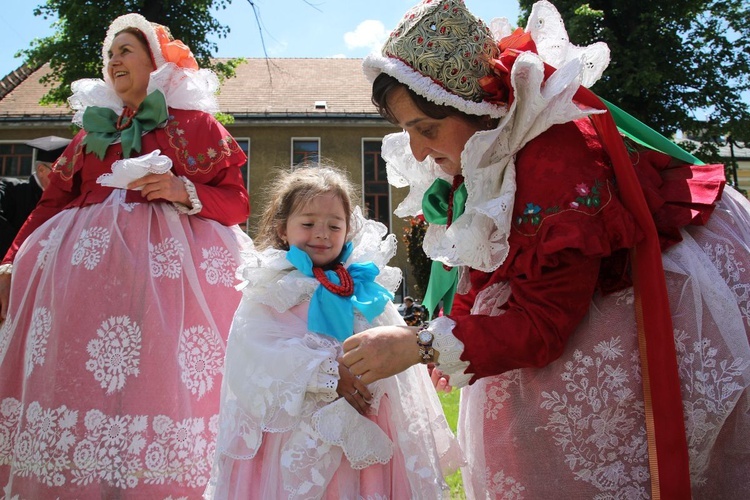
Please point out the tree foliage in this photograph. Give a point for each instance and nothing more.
(74, 50)
(674, 65)
(419, 262)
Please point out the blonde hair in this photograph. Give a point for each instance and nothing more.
(290, 191)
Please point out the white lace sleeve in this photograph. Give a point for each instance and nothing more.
(450, 349)
(194, 200)
(323, 383)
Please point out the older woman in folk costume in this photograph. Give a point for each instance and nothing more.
(599, 329)
(122, 288)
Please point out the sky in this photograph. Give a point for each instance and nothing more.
(291, 28)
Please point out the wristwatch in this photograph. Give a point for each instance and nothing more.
(424, 341)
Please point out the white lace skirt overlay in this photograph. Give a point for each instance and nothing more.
(577, 426)
(307, 446)
(111, 359)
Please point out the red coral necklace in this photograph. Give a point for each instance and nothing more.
(345, 289)
(128, 114)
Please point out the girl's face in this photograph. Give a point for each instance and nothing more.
(318, 228)
(129, 68)
(442, 139)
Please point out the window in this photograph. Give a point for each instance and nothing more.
(305, 150)
(244, 143)
(15, 160)
(376, 191)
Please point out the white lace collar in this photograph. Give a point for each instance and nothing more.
(182, 88)
(479, 237)
(270, 279)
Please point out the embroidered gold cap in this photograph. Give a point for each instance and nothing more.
(440, 51)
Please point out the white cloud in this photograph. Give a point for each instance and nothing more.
(370, 34)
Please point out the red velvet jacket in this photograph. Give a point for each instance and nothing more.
(200, 148)
(569, 237)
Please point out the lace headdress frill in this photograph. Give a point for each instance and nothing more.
(182, 88)
(270, 279)
(479, 237)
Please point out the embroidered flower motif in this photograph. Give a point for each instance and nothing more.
(532, 209)
(36, 341)
(166, 258)
(91, 245)
(595, 420)
(505, 486)
(588, 197)
(201, 358)
(115, 354)
(110, 449)
(178, 452)
(531, 215)
(42, 446)
(48, 246)
(10, 413)
(219, 266)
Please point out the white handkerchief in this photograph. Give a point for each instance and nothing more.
(129, 169)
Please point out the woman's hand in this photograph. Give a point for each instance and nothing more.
(165, 186)
(4, 295)
(381, 352)
(353, 390)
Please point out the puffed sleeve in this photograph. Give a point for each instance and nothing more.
(204, 153)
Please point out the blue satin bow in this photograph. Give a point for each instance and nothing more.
(332, 314)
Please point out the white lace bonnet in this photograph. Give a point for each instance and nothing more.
(177, 75)
(149, 31)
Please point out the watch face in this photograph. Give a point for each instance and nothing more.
(425, 337)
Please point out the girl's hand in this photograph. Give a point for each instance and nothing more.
(353, 390)
(381, 352)
(4, 295)
(165, 186)
(440, 380)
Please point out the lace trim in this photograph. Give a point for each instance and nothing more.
(479, 237)
(194, 200)
(374, 64)
(450, 349)
(271, 280)
(6, 269)
(363, 442)
(324, 383)
(182, 89)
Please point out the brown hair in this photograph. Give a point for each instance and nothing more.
(290, 191)
(384, 84)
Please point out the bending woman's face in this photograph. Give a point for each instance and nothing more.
(441, 139)
(129, 68)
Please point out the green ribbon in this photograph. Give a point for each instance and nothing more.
(646, 136)
(100, 125)
(443, 282)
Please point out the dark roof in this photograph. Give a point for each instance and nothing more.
(260, 87)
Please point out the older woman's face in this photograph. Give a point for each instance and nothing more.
(129, 68)
(441, 139)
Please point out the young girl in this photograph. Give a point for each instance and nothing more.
(294, 422)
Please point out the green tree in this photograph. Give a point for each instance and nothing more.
(74, 50)
(419, 262)
(671, 61)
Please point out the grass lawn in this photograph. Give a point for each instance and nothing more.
(450, 407)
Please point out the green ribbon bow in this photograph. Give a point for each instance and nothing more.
(100, 125)
(435, 204)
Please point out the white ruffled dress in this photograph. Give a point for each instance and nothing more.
(284, 434)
